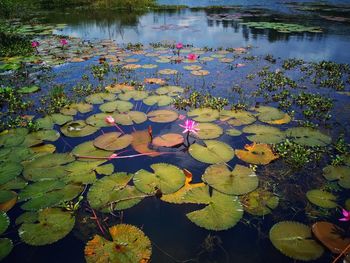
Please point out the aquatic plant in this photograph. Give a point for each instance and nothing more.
(346, 215)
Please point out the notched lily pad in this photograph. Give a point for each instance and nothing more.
(256, 153)
(322, 198)
(212, 152)
(113, 141)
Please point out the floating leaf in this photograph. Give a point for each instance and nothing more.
(209, 131)
(129, 244)
(222, 211)
(149, 66)
(52, 225)
(340, 173)
(237, 118)
(256, 153)
(99, 98)
(154, 81)
(203, 114)
(38, 137)
(117, 105)
(170, 90)
(88, 149)
(4, 222)
(98, 120)
(259, 202)
(240, 180)
(7, 200)
(264, 134)
(322, 198)
(329, 236)
(168, 140)
(163, 116)
(50, 120)
(160, 100)
(294, 240)
(113, 141)
(141, 141)
(308, 136)
(213, 152)
(78, 128)
(132, 66)
(13, 137)
(9, 170)
(119, 88)
(272, 115)
(167, 72)
(233, 132)
(200, 72)
(28, 89)
(134, 94)
(193, 67)
(165, 177)
(130, 118)
(6, 247)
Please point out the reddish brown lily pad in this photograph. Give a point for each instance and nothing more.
(168, 140)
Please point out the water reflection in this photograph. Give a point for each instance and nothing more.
(195, 27)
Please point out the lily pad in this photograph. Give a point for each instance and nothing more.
(237, 118)
(209, 131)
(221, 212)
(167, 72)
(204, 114)
(29, 89)
(165, 177)
(78, 128)
(160, 100)
(339, 173)
(233, 132)
(117, 105)
(98, 120)
(133, 94)
(13, 137)
(6, 247)
(264, 134)
(129, 244)
(212, 152)
(39, 137)
(256, 154)
(240, 180)
(99, 98)
(170, 90)
(328, 234)
(259, 202)
(7, 200)
(53, 225)
(50, 120)
(4, 222)
(308, 136)
(113, 141)
(88, 149)
(200, 72)
(163, 116)
(168, 140)
(294, 240)
(154, 81)
(9, 171)
(322, 198)
(130, 118)
(119, 88)
(272, 115)
(141, 141)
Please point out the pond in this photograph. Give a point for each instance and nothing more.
(190, 135)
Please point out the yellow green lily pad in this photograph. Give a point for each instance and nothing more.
(212, 152)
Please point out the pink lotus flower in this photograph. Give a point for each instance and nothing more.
(192, 56)
(239, 65)
(346, 215)
(110, 120)
(35, 44)
(179, 45)
(63, 42)
(190, 126)
(182, 117)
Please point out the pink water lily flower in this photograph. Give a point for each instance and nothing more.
(64, 42)
(192, 56)
(346, 215)
(110, 120)
(179, 45)
(35, 44)
(190, 126)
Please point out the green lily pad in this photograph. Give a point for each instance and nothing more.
(50, 120)
(237, 118)
(170, 90)
(28, 89)
(163, 116)
(233, 132)
(14, 184)
(340, 173)
(264, 134)
(130, 118)
(88, 149)
(308, 136)
(213, 152)
(117, 105)
(209, 131)
(166, 177)
(203, 114)
(240, 180)
(133, 94)
(53, 225)
(113, 141)
(85, 172)
(272, 115)
(222, 211)
(78, 128)
(294, 240)
(9, 171)
(6, 247)
(259, 202)
(98, 120)
(167, 72)
(39, 137)
(99, 98)
(13, 137)
(160, 100)
(129, 244)
(322, 198)
(4, 222)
